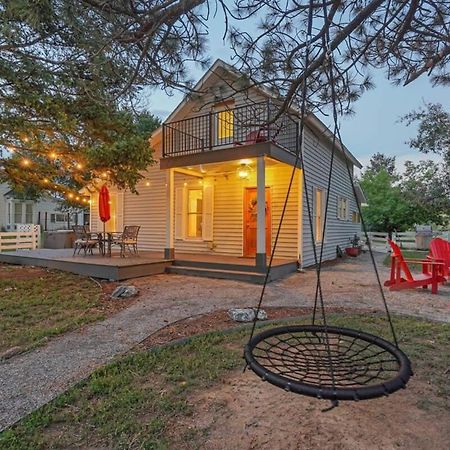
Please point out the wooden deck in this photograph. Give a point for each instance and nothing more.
(115, 268)
(111, 268)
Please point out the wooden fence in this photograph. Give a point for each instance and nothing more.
(406, 240)
(27, 237)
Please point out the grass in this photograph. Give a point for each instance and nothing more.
(35, 305)
(408, 254)
(141, 400)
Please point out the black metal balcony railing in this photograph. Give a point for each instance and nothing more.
(231, 127)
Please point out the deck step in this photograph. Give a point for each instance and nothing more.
(215, 265)
(250, 277)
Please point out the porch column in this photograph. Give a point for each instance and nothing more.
(261, 257)
(169, 250)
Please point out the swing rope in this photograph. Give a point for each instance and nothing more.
(319, 360)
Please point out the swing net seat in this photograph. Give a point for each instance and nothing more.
(328, 362)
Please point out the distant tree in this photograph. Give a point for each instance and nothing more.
(387, 208)
(433, 134)
(398, 202)
(425, 188)
(380, 161)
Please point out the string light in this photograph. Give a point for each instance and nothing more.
(77, 198)
(45, 180)
(79, 166)
(26, 162)
(147, 183)
(70, 195)
(53, 155)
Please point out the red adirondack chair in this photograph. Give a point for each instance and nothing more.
(254, 137)
(401, 277)
(440, 252)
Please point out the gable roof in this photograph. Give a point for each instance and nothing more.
(311, 119)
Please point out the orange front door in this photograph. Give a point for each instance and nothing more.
(250, 221)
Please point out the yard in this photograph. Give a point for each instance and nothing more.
(195, 395)
(36, 304)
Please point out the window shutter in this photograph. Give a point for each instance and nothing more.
(208, 209)
(180, 212)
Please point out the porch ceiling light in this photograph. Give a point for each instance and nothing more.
(243, 171)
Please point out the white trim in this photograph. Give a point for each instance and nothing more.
(261, 205)
(170, 211)
(208, 212)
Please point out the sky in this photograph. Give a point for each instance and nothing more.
(374, 127)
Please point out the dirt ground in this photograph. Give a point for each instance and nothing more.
(245, 413)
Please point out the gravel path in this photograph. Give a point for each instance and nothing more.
(30, 380)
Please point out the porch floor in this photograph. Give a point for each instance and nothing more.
(146, 263)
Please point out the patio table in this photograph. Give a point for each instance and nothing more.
(105, 241)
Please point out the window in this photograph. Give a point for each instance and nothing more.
(57, 217)
(194, 210)
(356, 218)
(319, 195)
(225, 123)
(28, 213)
(342, 208)
(17, 212)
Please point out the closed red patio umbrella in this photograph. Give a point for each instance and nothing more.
(104, 206)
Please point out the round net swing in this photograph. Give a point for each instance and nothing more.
(328, 363)
(319, 360)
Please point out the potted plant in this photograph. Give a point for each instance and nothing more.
(355, 247)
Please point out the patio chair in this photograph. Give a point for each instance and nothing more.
(128, 239)
(253, 137)
(402, 278)
(440, 252)
(83, 240)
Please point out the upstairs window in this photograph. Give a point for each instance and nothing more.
(356, 218)
(225, 120)
(342, 208)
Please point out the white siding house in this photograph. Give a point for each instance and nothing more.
(220, 181)
(45, 212)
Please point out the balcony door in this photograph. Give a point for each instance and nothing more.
(250, 222)
(224, 123)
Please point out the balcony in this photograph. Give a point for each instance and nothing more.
(230, 128)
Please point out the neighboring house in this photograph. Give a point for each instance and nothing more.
(45, 212)
(221, 178)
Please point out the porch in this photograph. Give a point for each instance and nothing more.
(233, 209)
(147, 263)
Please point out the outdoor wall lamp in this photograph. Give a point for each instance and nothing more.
(243, 171)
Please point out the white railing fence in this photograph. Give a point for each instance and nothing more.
(405, 240)
(26, 237)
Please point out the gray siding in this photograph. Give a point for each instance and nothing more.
(317, 157)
